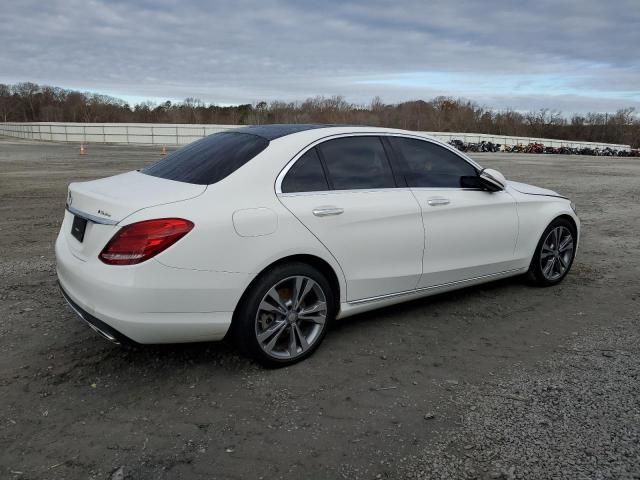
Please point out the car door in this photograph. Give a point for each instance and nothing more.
(469, 232)
(344, 191)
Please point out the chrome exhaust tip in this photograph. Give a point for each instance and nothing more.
(108, 333)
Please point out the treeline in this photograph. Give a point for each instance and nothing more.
(29, 102)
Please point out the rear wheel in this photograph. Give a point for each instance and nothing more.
(284, 316)
(554, 253)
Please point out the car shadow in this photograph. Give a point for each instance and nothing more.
(224, 354)
(418, 305)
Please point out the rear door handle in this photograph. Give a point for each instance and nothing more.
(327, 211)
(438, 201)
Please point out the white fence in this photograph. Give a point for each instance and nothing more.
(181, 134)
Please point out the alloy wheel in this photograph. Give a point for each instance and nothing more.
(556, 253)
(291, 317)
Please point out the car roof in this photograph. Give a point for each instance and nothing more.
(277, 130)
(318, 130)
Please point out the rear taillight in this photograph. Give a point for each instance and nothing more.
(140, 241)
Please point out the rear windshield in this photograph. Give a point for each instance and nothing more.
(208, 160)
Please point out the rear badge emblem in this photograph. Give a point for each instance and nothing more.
(102, 212)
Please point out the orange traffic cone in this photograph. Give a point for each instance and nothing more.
(164, 150)
(82, 149)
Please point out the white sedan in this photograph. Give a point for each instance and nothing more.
(271, 232)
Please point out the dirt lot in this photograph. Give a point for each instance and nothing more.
(499, 381)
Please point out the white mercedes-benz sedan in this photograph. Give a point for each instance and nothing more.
(269, 233)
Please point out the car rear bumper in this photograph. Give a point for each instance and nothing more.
(101, 328)
(150, 302)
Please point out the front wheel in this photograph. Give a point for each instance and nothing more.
(554, 253)
(284, 316)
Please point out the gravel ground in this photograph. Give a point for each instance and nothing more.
(576, 415)
(497, 380)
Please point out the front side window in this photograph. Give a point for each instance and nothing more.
(210, 159)
(306, 175)
(430, 165)
(357, 163)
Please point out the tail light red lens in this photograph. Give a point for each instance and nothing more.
(140, 241)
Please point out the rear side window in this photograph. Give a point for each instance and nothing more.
(357, 163)
(430, 165)
(306, 175)
(208, 160)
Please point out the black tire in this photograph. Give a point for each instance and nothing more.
(246, 323)
(536, 273)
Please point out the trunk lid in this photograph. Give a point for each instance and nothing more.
(112, 199)
(105, 202)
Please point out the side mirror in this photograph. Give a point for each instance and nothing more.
(492, 180)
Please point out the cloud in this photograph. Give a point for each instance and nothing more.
(576, 55)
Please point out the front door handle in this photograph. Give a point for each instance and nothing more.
(327, 211)
(438, 201)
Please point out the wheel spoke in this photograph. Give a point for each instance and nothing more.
(557, 267)
(278, 333)
(298, 283)
(301, 338)
(556, 237)
(562, 262)
(316, 313)
(265, 334)
(267, 307)
(546, 251)
(566, 244)
(275, 296)
(293, 345)
(303, 287)
(549, 267)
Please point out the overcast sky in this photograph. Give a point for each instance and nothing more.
(574, 56)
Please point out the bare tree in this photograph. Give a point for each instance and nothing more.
(30, 102)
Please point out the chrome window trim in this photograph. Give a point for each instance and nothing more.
(374, 190)
(296, 157)
(91, 218)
